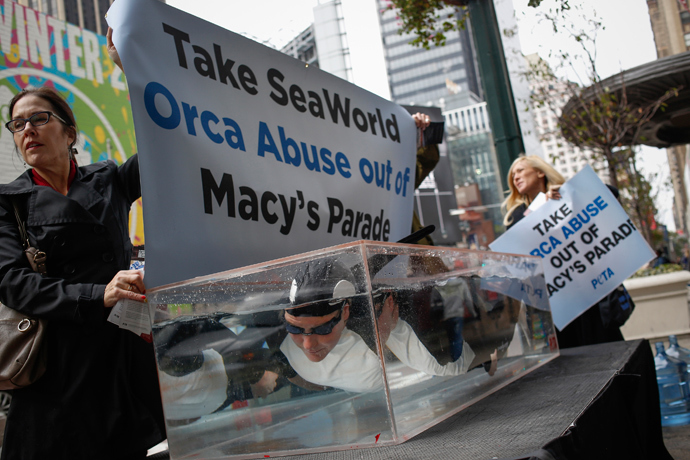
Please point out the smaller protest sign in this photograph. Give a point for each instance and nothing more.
(586, 242)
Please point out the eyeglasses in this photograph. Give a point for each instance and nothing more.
(37, 119)
(324, 329)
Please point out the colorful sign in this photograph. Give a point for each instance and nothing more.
(586, 241)
(249, 155)
(40, 50)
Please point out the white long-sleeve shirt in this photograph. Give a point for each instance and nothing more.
(352, 366)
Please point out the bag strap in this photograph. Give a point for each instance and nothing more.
(36, 258)
(22, 228)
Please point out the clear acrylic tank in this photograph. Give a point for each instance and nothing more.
(360, 345)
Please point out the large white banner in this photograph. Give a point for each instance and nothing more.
(247, 154)
(586, 241)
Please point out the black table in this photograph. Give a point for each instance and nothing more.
(598, 401)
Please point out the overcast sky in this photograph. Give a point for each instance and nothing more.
(271, 22)
(625, 42)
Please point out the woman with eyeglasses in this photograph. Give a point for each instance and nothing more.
(99, 396)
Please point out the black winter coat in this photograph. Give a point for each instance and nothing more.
(99, 397)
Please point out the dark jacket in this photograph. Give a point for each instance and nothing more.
(518, 213)
(99, 397)
(427, 159)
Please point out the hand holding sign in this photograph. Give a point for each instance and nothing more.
(112, 51)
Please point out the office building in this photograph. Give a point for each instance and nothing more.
(671, 27)
(87, 14)
(303, 47)
(445, 76)
(566, 158)
(358, 41)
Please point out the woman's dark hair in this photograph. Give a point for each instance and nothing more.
(58, 104)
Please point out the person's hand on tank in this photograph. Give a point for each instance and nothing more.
(265, 386)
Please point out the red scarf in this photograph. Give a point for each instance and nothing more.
(41, 181)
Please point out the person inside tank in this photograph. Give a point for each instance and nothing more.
(324, 340)
(322, 348)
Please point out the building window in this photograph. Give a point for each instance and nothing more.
(51, 7)
(89, 16)
(684, 16)
(103, 6)
(72, 12)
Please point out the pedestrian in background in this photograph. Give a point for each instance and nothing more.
(685, 260)
(661, 258)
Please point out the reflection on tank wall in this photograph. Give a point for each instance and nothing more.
(359, 345)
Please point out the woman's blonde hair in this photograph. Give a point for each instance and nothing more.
(515, 199)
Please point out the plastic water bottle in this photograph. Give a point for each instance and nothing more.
(674, 396)
(676, 351)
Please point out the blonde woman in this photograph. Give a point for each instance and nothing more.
(529, 175)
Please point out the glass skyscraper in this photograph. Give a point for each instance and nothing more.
(429, 77)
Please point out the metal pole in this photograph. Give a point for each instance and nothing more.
(498, 92)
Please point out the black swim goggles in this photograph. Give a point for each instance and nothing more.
(324, 329)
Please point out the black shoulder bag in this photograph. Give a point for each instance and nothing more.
(616, 308)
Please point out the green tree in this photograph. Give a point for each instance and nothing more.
(428, 21)
(599, 116)
(637, 195)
